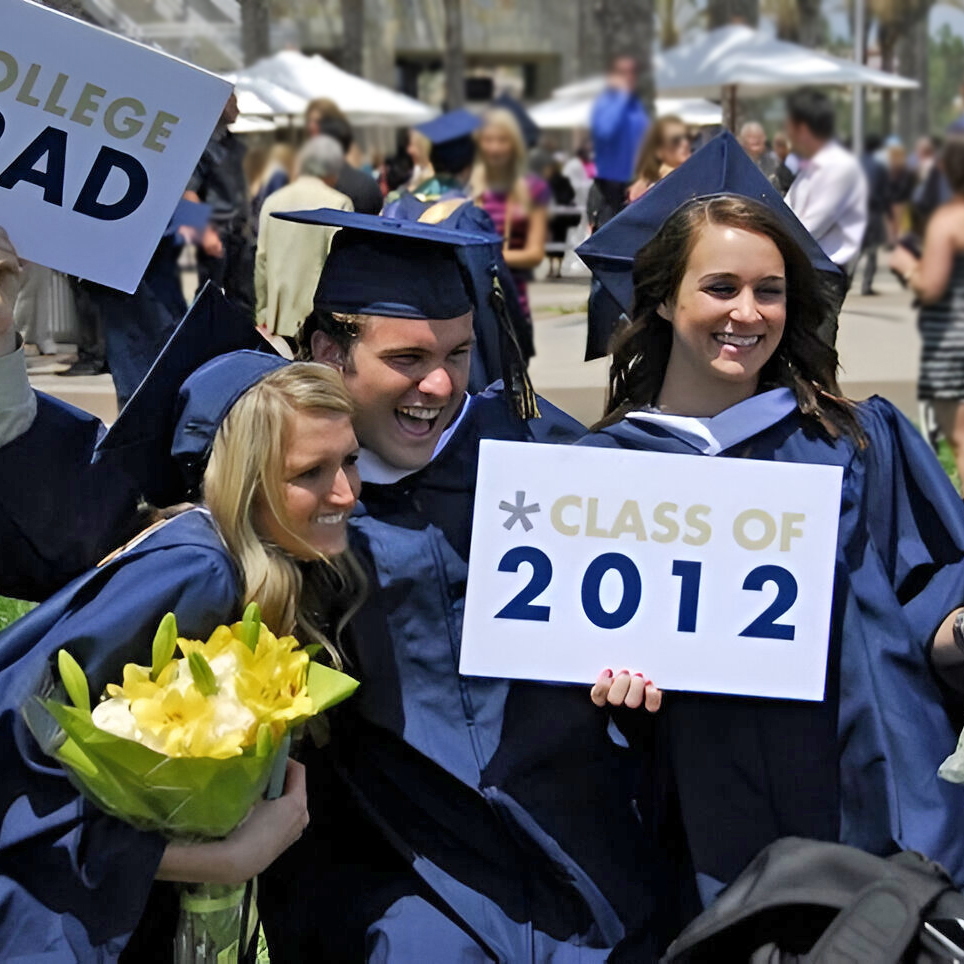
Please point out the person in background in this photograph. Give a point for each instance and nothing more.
(580, 171)
(753, 140)
(618, 124)
(878, 196)
(226, 250)
(452, 156)
(563, 196)
(277, 170)
(419, 150)
(323, 116)
(937, 279)
(829, 195)
(787, 163)
(931, 190)
(666, 147)
(516, 201)
(290, 256)
(900, 187)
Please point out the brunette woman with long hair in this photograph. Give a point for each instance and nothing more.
(723, 359)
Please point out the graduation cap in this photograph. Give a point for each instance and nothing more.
(162, 437)
(721, 167)
(530, 129)
(453, 147)
(399, 268)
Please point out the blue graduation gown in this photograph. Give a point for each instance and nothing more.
(860, 767)
(499, 817)
(59, 515)
(73, 881)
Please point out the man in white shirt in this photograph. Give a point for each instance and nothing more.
(290, 256)
(829, 195)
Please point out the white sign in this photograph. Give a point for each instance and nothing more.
(98, 137)
(712, 575)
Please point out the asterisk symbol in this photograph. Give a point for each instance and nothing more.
(519, 512)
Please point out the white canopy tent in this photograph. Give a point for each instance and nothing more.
(573, 113)
(286, 82)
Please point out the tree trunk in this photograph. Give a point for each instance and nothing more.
(591, 57)
(723, 12)
(912, 105)
(887, 38)
(454, 56)
(809, 23)
(627, 27)
(255, 30)
(353, 35)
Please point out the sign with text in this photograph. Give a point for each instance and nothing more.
(98, 138)
(711, 575)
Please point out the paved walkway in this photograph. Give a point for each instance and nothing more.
(878, 343)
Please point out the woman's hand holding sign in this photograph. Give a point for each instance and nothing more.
(631, 690)
(9, 288)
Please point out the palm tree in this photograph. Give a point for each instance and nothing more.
(798, 21)
(353, 35)
(454, 55)
(723, 12)
(255, 30)
(675, 18)
(627, 27)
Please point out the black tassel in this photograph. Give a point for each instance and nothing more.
(514, 372)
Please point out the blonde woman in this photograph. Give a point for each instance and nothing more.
(419, 150)
(666, 147)
(266, 451)
(517, 201)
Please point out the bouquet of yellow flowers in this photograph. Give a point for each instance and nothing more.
(187, 745)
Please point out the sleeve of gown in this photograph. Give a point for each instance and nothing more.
(18, 404)
(76, 880)
(915, 518)
(59, 515)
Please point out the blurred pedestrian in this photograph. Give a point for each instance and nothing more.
(931, 189)
(276, 172)
(580, 171)
(226, 249)
(829, 195)
(290, 256)
(900, 187)
(753, 140)
(665, 147)
(419, 150)
(787, 163)
(937, 279)
(516, 200)
(878, 199)
(562, 215)
(618, 125)
(45, 305)
(324, 116)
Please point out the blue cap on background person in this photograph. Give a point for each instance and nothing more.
(395, 268)
(453, 147)
(162, 437)
(721, 167)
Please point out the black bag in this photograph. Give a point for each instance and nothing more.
(806, 902)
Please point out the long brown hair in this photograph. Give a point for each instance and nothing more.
(648, 163)
(802, 362)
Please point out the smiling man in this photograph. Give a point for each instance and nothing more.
(458, 818)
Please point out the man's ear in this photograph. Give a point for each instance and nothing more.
(664, 310)
(326, 350)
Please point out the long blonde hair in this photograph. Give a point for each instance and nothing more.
(246, 465)
(479, 181)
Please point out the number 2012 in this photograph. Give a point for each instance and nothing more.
(522, 605)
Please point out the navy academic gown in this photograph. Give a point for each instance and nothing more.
(860, 767)
(73, 881)
(485, 819)
(59, 515)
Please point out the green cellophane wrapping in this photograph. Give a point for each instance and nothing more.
(178, 796)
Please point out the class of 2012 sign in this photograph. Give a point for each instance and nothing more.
(98, 138)
(707, 574)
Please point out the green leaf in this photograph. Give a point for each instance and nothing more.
(251, 626)
(265, 740)
(202, 674)
(75, 681)
(165, 641)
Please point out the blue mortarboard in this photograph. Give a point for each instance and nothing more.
(140, 442)
(453, 148)
(390, 266)
(530, 129)
(720, 167)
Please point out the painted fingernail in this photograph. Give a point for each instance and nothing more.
(608, 673)
(640, 675)
(623, 672)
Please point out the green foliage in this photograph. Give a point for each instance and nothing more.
(12, 609)
(946, 72)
